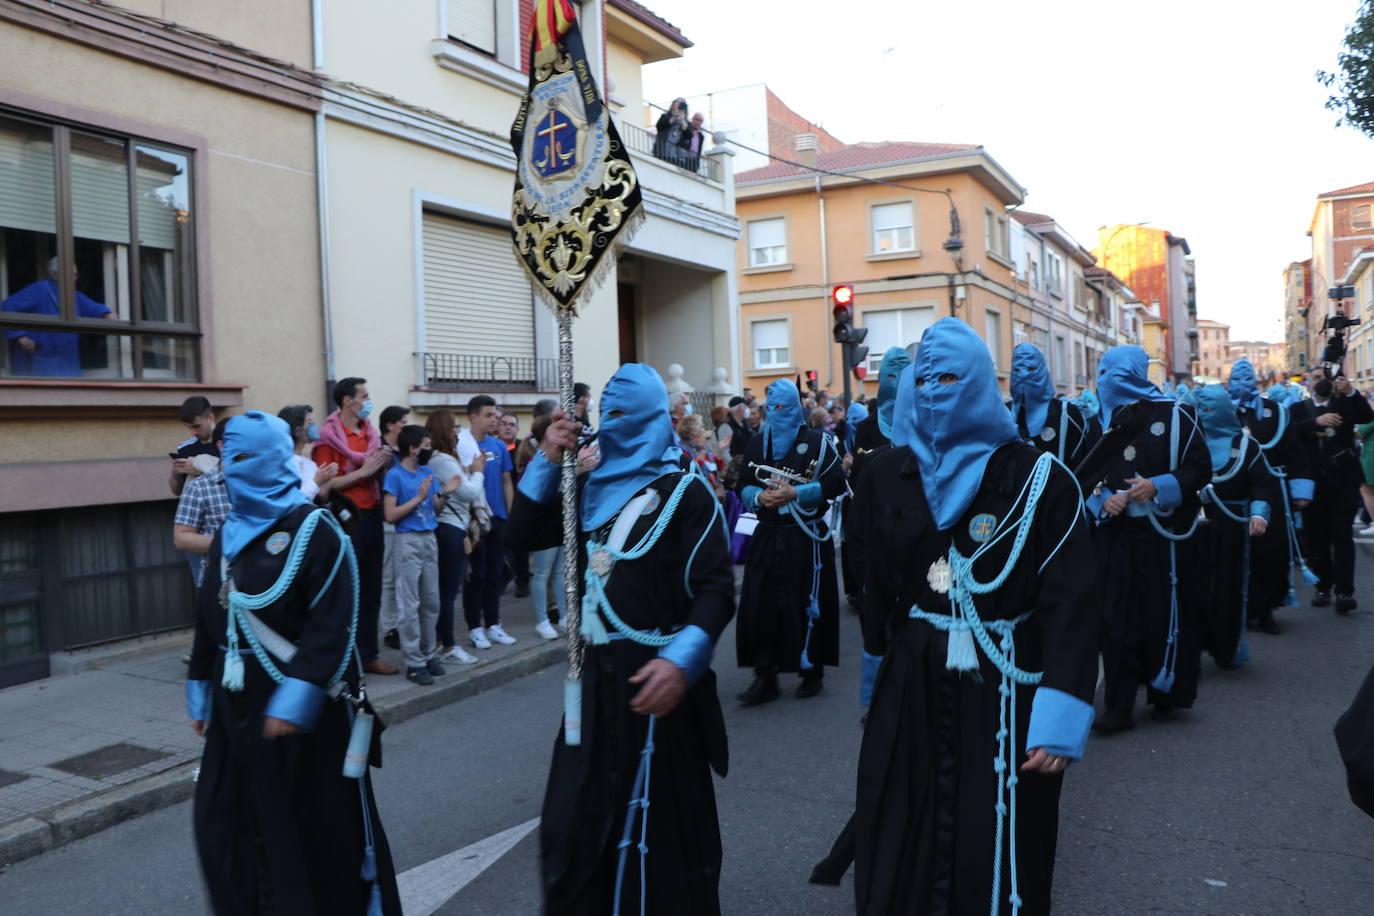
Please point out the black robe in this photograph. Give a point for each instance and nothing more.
(771, 630)
(1227, 562)
(1135, 558)
(1271, 565)
(590, 785)
(924, 824)
(278, 826)
(1069, 437)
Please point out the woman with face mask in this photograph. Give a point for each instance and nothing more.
(283, 809)
(979, 569)
(657, 588)
(315, 480)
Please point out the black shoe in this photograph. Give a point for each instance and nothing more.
(1321, 599)
(1268, 625)
(391, 639)
(434, 668)
(419, 676)
(809, 687)
(1162, 713)
(1345, 603)
(763, 690)
(522, 588)
(1114, 720)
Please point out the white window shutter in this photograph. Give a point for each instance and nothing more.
(473, 22)
(478, 299)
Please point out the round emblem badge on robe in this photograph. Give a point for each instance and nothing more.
(278, 542)
(1157, 428)
(652, 504)
(802, 447)
(981, 527)
(1267, 413)
(1047, 434)
(601, 562)
(938, 576)
(1128, 453)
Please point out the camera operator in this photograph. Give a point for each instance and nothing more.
(1325, 425)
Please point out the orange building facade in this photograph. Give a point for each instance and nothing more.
(804, 233)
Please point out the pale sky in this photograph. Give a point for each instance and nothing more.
(1202, 117)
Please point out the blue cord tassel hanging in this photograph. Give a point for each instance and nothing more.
(369, 869)
(1291, 599)
(233, 662)
(960, 653)
(1308, 575)
(1164, 680)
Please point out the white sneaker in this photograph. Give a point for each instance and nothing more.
(478, 638)
(456, 654)
(546, 630)
(1366, 532)
(500, 635)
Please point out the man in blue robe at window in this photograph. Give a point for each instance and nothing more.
(48, 353)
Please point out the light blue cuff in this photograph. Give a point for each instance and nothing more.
(1170, 494)
(691, 651)
(1094, 504)
(1059, 723)
(1299, 488)
(297, 702)
(1259, 507)
(198, 700)
(751, 498)
(541, 479)
(868, 676)
(809, 494)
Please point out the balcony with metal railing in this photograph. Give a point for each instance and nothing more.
(641, 141)
(488, 373)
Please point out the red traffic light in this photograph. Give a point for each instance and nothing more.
(842, 295)
(861, 372)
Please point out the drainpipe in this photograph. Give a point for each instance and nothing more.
(322, 201)
(825, 289)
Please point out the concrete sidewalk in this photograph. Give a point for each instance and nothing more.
(83, 751)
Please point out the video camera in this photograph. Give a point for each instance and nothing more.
(1334, 354)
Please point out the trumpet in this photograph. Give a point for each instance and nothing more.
(771, 476)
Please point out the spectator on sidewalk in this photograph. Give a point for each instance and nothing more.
(393, 419)
(693, 433)
(202, 509)
(315, 480)
(199, 418)
(454, 520)
(518, 561)
(546, 566)
(411, 500)
(486, 566)
(350, 441)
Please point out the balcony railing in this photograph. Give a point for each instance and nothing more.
(473, 372)
(641, 141)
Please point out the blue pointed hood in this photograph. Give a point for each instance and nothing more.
(957, 426)
(1220, 424)
(856, 414)
(1243, 388)
(1279, 394)
(260, 475)
(1031, 387)
(1123, 377)
(889, 372)
(1087, 402)
(635, 439)
(782, 418)
(904, 409)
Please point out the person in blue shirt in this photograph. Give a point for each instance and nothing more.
(47, 353)
(411, 500)
(487, 565)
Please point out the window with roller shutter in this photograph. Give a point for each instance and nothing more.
(479, 306)
(473, 22)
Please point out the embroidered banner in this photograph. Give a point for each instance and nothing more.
(576, 191)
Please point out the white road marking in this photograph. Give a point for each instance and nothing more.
(427, 887)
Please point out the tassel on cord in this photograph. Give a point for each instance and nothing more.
(1164, 680)
(369, 870)
(961, 655)
(593, 630)
(1291, 599)
(1308, 576)
(233, 662)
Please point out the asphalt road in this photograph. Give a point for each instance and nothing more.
(1238, 807)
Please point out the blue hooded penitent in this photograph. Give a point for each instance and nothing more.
(635, 439)
(1244, 392)
(957, 425)
(903, 408)
(1031, 387)
(1123, 377)
(783, 418)
(1279, 394)
(1220, 425)
(889, 372)
(260, 475)
(856, 414)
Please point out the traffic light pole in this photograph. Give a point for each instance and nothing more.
(845, 350)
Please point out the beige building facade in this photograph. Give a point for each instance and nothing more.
(163, 154)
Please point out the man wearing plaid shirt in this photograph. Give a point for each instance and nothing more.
(203, 508)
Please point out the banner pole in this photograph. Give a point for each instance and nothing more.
(572, 618)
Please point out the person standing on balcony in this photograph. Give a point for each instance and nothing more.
(695, 139)
(348, 440)
(486, 568)
(672, 127)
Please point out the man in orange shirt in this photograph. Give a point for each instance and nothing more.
(351, 442)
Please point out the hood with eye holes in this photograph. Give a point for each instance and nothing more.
(1031, 387)
(1123, 377)
(635, 440)
(1243, 389)
(260, 475)
(782, 418)
(954, 428)
(1220, 424)
(895, 360)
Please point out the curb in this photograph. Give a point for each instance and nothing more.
(47, 830)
